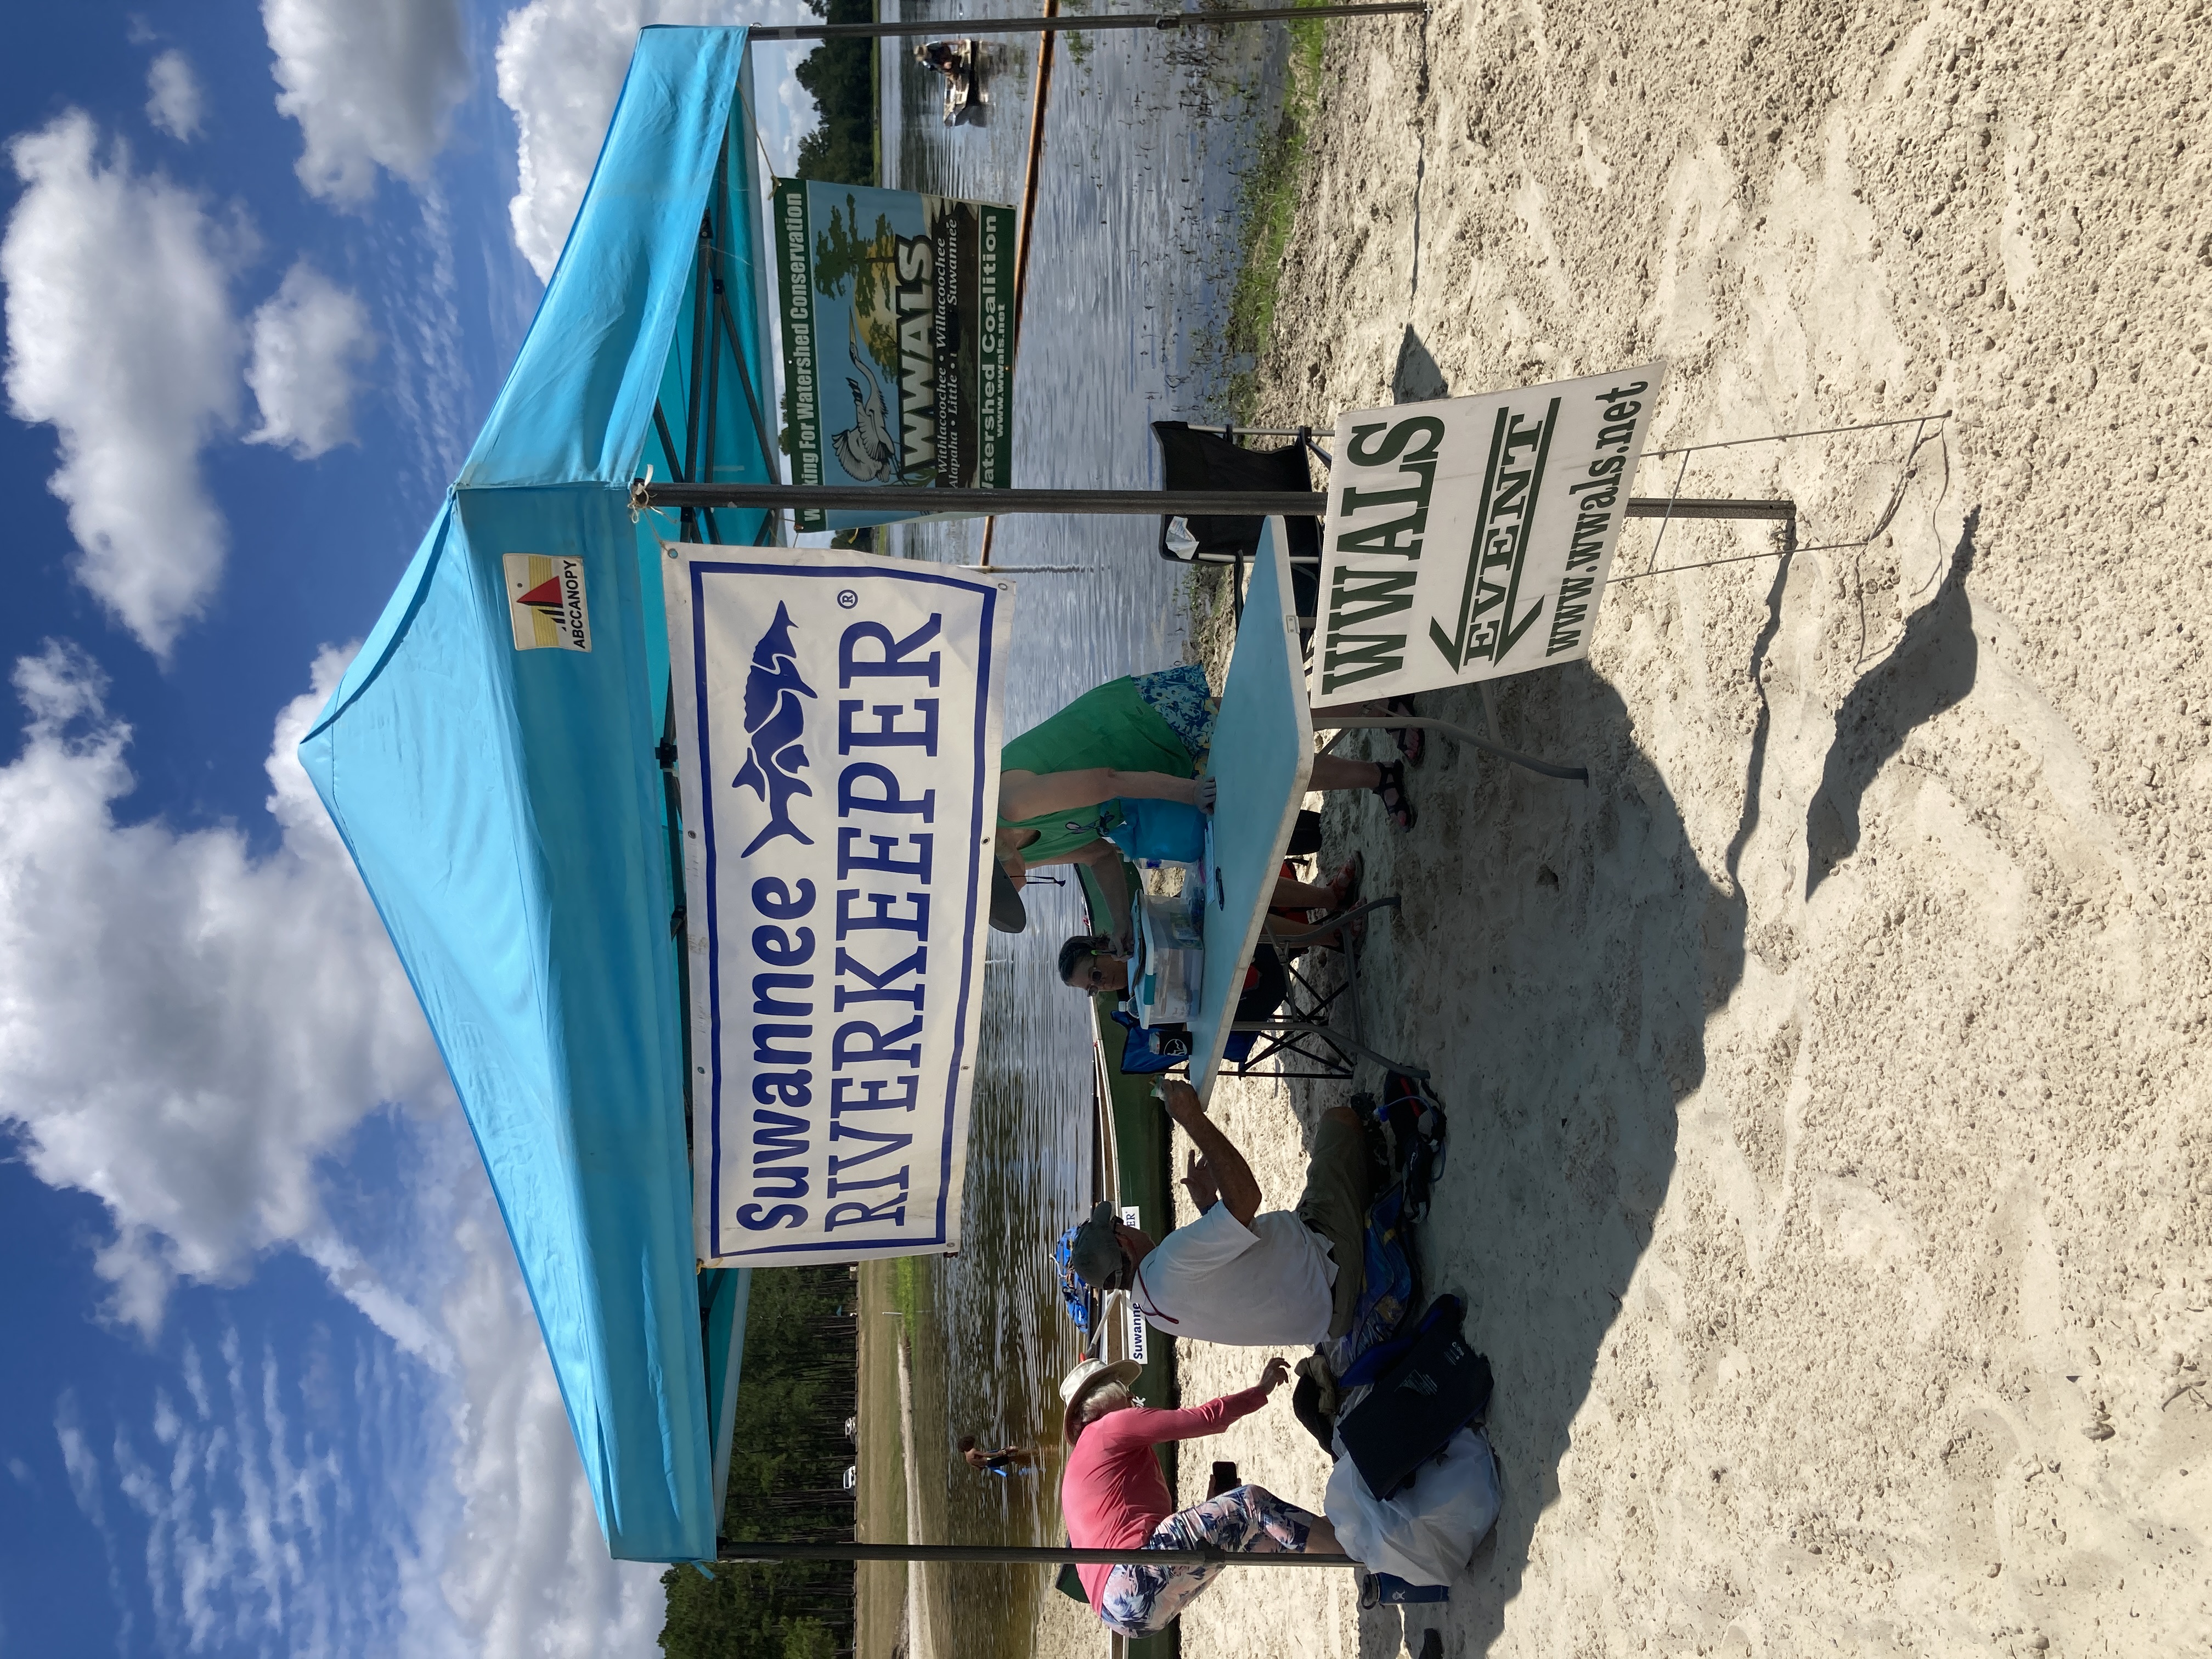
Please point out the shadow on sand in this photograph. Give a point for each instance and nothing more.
(1416, 378)
(1577, 944)
(1931, 669)
(1586, 946)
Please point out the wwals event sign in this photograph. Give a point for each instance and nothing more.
(898, 346)
(837, 721)
(1471, 538)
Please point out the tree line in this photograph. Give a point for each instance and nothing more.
(842, 77)
(790, 1452)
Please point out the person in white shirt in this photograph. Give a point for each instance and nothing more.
(1234, 1275)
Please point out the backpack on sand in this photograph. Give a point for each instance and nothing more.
(1392, 1283)
(1428, 1386)
(1414, 1118)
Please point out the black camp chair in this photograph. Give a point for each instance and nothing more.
(1315, 1030)
(1301, 1021)
(1202, 457)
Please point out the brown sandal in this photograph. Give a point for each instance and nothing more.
(1345, 890)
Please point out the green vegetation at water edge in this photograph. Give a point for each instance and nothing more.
(908, 1289)
(1075, 40)
(1269, 208)
(842, 77)
(787, 1471)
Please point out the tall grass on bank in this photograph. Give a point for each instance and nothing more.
(908, 1289)
(1267, 212)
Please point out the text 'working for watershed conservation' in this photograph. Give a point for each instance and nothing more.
(898, 349)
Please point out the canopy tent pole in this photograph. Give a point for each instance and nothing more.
(1191, 503)
(751, 1550)
(1086, 23)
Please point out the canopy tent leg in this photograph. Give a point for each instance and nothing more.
(1089, 22)
(940, 503)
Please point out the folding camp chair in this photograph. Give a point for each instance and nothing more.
(1210, 458)
(1316, 1033)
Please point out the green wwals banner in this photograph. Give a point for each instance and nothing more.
(898, 351)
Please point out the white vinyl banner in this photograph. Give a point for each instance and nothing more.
(837, 722)
(1471, 537)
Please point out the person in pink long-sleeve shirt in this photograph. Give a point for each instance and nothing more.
(1113, 1496)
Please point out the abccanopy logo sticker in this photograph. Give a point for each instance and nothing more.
(545, 602)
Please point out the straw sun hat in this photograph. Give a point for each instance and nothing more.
(1082, 1380)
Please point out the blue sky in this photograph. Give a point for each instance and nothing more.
(272, 1386)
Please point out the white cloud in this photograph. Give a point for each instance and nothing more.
(134, 375)
(526, 1570)
(342, 1501)
(192, 1032)
(428, 378)
(186, 1028)
(308, 339)
(788, 113)
(373, 83)
(267, 1520)
(512, 1555)
(175, 103)
(561, 65)
(82, 1465)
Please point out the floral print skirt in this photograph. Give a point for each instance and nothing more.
(1144, 1601)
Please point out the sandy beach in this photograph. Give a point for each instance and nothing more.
(1831, 1177)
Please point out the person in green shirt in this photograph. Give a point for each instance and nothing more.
(1068, 785)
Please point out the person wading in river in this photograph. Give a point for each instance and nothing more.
(1007, 1461)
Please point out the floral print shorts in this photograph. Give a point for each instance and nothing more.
(1144, 1601)
(1181, 697)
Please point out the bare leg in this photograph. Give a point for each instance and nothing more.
(1389, 782)
(1321, 1538)
(1409, 739)
(1332, 772)
(1301, 895)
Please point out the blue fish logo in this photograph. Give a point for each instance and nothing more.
(775, 720)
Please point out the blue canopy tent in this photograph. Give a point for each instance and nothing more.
(508, 811)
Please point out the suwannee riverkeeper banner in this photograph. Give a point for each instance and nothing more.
(837, 722)
(1471, 537)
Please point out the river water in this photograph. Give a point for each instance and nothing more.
(1145, 135)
